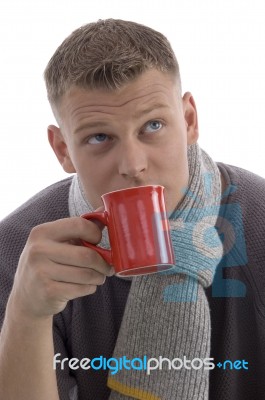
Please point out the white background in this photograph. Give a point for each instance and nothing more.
(220, 46)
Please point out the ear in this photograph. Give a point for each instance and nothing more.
(191, 118)
(60, 149)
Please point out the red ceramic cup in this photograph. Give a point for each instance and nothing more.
(139, 232)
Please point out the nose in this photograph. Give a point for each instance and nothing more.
(132, 159)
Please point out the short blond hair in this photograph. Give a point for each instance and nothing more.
(107, 54)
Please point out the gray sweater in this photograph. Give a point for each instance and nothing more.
(236, 297)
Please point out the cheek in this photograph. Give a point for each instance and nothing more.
(95, 174)
(175, 165)
(175, 155)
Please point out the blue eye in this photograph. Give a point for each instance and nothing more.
(99, 138)
(153, 126)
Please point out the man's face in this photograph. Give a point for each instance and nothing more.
(133, 136)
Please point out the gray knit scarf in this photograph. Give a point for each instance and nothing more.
(167, 317)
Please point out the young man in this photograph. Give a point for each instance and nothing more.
(196, 333)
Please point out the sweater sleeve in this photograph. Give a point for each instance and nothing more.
(48, 205)
(14, 232)
(66, 382)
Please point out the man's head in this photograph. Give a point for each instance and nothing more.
(114, 87)
(106, 55)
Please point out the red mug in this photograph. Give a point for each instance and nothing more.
(139, 232)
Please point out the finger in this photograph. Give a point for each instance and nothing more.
(67, 229)
(77, 256)
(81, 276)
(99, 209)
(69, 291)
(96, 221)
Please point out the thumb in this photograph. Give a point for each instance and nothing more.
(96, 221)
(99, 209)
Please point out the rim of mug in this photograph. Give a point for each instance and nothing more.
(130, 188)
(120, 273)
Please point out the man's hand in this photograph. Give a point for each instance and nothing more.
(54, 267)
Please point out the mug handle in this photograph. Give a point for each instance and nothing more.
(102, 217)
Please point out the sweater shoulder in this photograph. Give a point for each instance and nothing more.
(247, 189)
(247, 193)
(240, 175)
(47, 205)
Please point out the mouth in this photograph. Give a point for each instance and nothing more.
(138, 183)
(134, 186)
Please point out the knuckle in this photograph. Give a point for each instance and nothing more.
(91, 289)
(39, 232)
(35, 249)
(97, 278)
(35, 232)
(103, 280)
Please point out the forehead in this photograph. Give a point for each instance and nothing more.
(151, 86)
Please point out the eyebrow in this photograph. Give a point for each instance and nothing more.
(96, 124)
(149, 109)
(101, 124)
